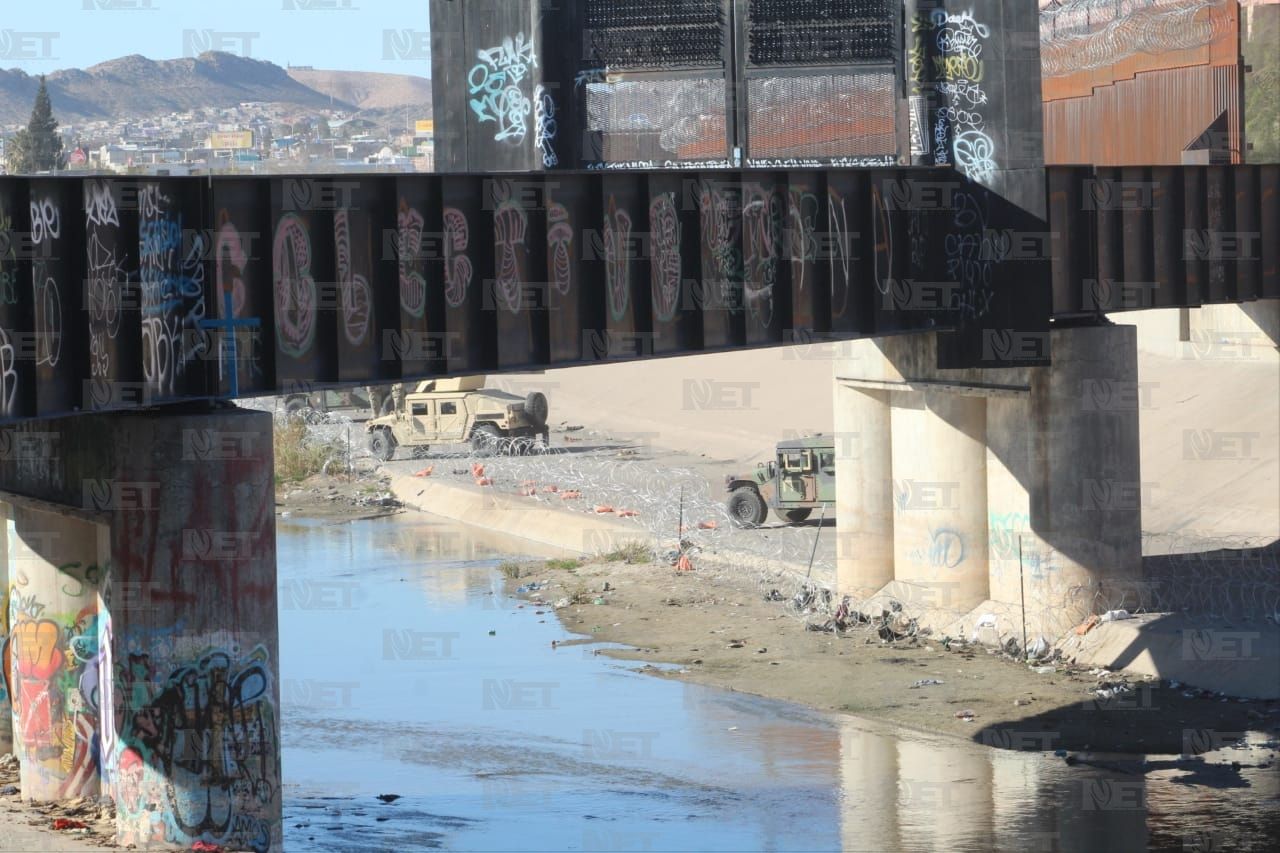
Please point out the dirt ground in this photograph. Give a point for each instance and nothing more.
(337, 498)
(728, 635)
(88, 824)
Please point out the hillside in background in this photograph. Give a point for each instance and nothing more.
(369, 90)
(134, 86)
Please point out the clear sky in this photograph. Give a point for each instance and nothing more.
(40, 36)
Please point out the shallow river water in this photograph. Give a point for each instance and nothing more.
(406, 671)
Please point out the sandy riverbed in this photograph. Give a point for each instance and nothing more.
(698, 622)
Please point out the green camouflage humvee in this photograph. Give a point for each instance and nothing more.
(800, 478)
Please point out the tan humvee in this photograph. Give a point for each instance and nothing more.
(445, 411)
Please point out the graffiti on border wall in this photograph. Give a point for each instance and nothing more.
(413, 285)
(510, 226)
(105, 276)
(8, 297)
(664, 222)
(761, 241)
(802, 240)
(947, 49)
(295, 288)
(497, 90)
(719, 218)
(544, 107)
(972, 250)
(457, 266)
(560, 247)
(617, 259)
(171, 282)
(838, 217)
(357, 298)
(46, 226)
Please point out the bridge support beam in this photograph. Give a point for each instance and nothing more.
(54, 565)
(864, 482)
(142, 594)
(1008, 484)
(940, 497)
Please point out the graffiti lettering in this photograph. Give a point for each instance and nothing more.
(457, 266)
(356, 296)
(617, 259)
(495, 84)
(664, 222)
(413, 287)
(560, 247)
(295, 289)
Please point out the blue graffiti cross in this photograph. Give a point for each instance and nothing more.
(230, 323)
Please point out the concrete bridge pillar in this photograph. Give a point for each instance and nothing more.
(864, 482)
(1014, 490)
(55, 564)
(940, 497)
(176, 513)
(6, 704)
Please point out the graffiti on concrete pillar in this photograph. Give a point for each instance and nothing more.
(295, 288)
(53, 679)
(197, 760)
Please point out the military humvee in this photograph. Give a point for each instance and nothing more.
(442, 411)
(800, 478)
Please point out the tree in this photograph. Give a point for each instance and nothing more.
(38, 146)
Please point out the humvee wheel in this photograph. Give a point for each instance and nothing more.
(746, 507)
(795, 516)
(535, 406)
(485, 439)
(382, 444)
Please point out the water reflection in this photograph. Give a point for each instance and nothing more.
(394, 684)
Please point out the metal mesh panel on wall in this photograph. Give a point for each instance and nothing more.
(658, 119)
(821, 32)
(653, 34)
(829, 115)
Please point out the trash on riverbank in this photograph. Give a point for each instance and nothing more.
(926, 682)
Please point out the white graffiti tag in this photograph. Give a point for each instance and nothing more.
(959, 70)
(356, 296)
